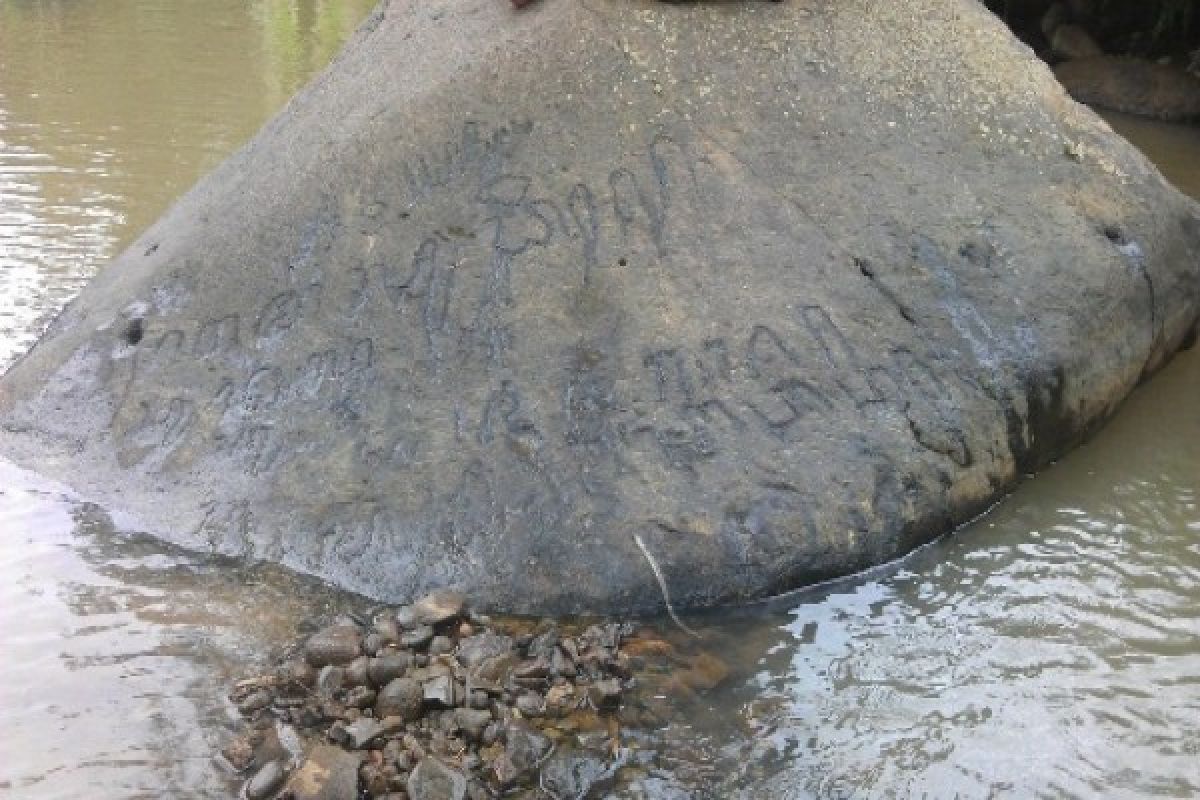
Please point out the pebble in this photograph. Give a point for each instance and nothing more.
(385, 668)
(406, 617)
(530, 705)
(574, 773)
(239, 753)
(605, 693)
(360, 697)
(524, 746)
(372, 643)
(440, 606)
(472, 722)
(255, 702)
(337, 644)
(356, 672)
(433, 780)
(435, 704)
(417, 638)
(328, 773)
(387, 628)
(439, 691)
(298, 673)
(264, 783)
(401, 697)
(475, 649)
(330, 679)
(361, 732)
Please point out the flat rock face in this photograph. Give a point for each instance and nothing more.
(516, 302)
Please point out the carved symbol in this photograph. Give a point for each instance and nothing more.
(279, 314)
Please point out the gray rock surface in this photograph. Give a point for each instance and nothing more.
(433, 780)
(329, 773)
(778, 291)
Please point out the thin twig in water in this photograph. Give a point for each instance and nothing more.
(662, 585)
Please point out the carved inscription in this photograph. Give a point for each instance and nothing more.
(438, 309)
(696, 398)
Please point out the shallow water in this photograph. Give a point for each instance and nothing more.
(1051, 649)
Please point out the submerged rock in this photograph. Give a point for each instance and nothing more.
(574, 319)
(577, 774)
(1133, 85)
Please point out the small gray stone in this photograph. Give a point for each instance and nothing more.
(362, 732)
(391, 725)
(388, 666)
(472, 722)
(561, 664)
(441, 645)
(524, 746)
(255, 701)
(440, 606)
(475, 649)
(533, 671)
(406, 617)
(356, 672)
(264, 783)
(439, 691)
(329, 773)
(433, 780)
(542, 645)
(401, 697)
(492, 673)
(387, 628)
(575, 773)
(531, 705)
(416, 638)
(330, 679)
(605, 693)
(297, 673)
(360, 697)
(337, 644)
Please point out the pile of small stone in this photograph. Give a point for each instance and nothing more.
(433, 702)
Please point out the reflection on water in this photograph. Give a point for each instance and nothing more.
(1174, 148)
(118, 650)
(110, 110)
(1052, 649)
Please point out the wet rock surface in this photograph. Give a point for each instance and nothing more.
(536, 727)
(577, 320)
(328, 773)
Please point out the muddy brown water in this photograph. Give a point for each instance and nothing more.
(1051, 649)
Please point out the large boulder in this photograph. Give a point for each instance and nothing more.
(519, 302)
